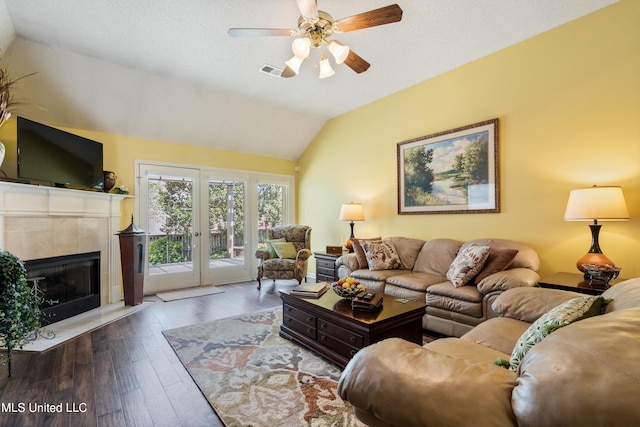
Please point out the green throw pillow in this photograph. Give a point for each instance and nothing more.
(285, 249)
(272, 251)
(559, 316)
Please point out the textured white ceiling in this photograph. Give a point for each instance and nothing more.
(177, 53)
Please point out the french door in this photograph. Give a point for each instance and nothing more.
(169, 211)
(204, 225)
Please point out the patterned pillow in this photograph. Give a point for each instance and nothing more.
(357, 249)
(467, 264)
(562, 315)
(381, 254)
(285, 249)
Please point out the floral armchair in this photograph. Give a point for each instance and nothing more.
(276, 262)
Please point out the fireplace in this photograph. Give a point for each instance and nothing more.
(68, 284)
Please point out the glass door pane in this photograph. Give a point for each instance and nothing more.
(168, 215)
(272, 204)
(227, 242)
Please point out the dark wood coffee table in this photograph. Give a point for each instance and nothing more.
(330, 327)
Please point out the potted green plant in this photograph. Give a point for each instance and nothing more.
(20, 313)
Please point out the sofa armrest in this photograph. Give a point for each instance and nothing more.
(403, 384)
(303, 255)
(262, 254)
(507, 279)
(528, 304)
(347, 264)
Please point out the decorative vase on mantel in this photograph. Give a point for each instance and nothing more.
(109, 180)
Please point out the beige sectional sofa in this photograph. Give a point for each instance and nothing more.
(583, 374)
(421, 275)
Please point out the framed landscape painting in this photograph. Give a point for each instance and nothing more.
(455, 171)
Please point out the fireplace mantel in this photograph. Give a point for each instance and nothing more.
(41, 221)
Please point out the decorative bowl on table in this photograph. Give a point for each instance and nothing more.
(601, 273)
(347, 287)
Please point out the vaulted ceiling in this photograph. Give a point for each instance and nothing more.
(168, 70)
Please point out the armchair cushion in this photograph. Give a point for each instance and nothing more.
(284, 249)
(270, 248)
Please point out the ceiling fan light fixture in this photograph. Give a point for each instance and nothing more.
(338, 50)
(301, 47)
(325, 68)
(294, 63)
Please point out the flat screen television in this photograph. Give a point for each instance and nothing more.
(50, 155)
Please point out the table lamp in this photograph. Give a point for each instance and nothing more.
(351, 212)
(596, 203)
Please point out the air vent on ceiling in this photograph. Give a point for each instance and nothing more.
(271, 70)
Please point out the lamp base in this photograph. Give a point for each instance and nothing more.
(593, 258)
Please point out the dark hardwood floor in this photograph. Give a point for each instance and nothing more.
(124, 373)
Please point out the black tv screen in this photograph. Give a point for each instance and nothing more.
(54, 156)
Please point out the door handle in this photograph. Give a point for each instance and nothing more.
(197, 233)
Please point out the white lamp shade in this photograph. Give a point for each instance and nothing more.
(352, 212)
(301, 47)
(294, 63)
(325, 68)
(596, 203)
(338, 50)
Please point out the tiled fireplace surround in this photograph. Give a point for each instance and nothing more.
(42, 222)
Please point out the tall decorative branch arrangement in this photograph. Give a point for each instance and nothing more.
(7, 101)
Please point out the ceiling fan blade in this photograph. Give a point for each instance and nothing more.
(260, 32)
(308, 9)
(356, 63)
(372, 18)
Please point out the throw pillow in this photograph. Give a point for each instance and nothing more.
(285, 249)
(499, 259)
(467, 264)
(381, 255)
(357, 249)
(562, 315)
(272, 251)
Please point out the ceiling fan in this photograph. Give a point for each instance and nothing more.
(315, 27)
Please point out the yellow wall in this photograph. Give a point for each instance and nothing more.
(568, 104)
(121, 152)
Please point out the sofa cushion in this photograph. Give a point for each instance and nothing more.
(376, 275)
(415, 281)
(467, 264)
(528, 304)
(284, 249)
(624, 294)
(498, 333)
(586, 374)
(357, 249)
(408, 250)
(562, 315)
(465, 299)
(498, 260)
(526, 257)
(436, 256)
(381, 254)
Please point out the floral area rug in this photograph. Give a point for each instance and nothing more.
(253, 377)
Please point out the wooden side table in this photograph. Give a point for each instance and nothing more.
(326, 267)
(574, 282)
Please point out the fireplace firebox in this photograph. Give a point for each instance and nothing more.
(69, 284)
